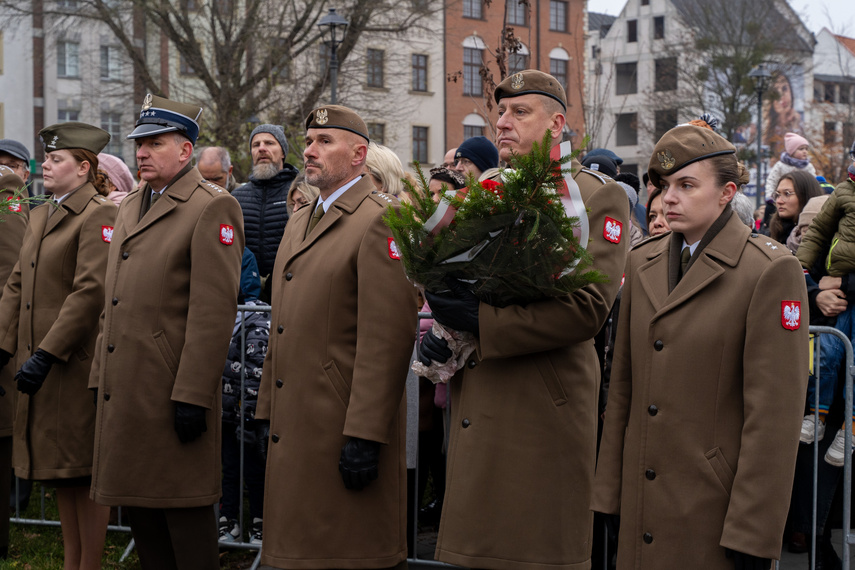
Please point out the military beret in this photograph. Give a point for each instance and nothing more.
(531, 81)
(159, 115)
(337, 117)
(74, 134)
(684, 145)
(9, 180)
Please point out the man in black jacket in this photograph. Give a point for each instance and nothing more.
(263, 198)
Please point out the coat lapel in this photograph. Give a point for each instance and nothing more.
(179, 191)
(75, 203)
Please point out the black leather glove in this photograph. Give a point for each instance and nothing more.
(262, 437)
(33, 372)
(189, 421)
(358, 462)
(456, 308)
(5, 357)
(433, 349)
(742, 561)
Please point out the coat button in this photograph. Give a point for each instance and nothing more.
(124, 255)
(28, 304)
(115, 301)
(650, 474)
(471, 364)
(648, 538)
(279, 383)
(110, 348)
(29, 348)
(32, 264)
(465, 423)
(658, 345)
(288, 276)
(652, 410)
(274, 438)
(279, 329)
(107, 397)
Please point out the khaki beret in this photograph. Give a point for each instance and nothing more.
(74, 134)
(9, 180)
(531, 81)
(337, 117)
(684, 145)
(159, 115)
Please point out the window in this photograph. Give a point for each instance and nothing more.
(829, 132)
(845, 94)
(65, 115)
(665, 121)
(111, 122)
(374, 68)
(626, 78)
(67, 5)
(184, 67)
(420, 72)
(470, 131)
(666, 74)
(377, 132)
(472, 84)
(558, 70)
(517, 62)
(848, 133)
(659, 28)
(626, 129)
(632, 31)
(516, 12)
(828, 95)
(645, 2)
(67, 59)
(110, 63)
(557, 16)
(473, 9)
(420, 144)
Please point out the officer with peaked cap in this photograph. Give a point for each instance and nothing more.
(707, 390)
(171, 297)
(49, 309)
(342, 331)
(524, 419)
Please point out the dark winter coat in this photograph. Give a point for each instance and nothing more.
(257, 326)
(265, 214)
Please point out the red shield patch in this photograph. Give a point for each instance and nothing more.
(394, 252)
(791, 315)
(612, 230)
(107, 233)
(15, 207)
(227, 234)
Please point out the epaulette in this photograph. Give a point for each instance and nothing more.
(767, 245)
(99, 198)
(599, 176)
(212, 188)
(649, 239)
(384, 199)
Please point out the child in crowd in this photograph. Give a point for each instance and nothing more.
(795, 157)
(832, 236)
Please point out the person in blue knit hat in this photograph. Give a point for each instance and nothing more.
(475, 156)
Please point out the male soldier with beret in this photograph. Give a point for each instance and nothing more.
(341, 335)
(524, 419)
(171, 296)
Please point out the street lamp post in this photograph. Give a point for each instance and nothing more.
(761, 77)
(333, 28)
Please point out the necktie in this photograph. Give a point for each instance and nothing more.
(155, 196)
(319, 213)
(685, 255)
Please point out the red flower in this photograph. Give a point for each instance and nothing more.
(494, 187)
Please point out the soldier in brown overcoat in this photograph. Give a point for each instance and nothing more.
(171, 298)
(710, 370)
(14, 224)
(341, 334)
(49, 320)
(524, 408)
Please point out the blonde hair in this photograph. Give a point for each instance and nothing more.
(299, 184)
(385, 166)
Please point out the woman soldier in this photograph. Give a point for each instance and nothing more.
(49, 313)
(706, 399)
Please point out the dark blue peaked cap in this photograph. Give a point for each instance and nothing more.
(159, 115)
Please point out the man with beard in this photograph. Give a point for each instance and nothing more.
(264, 198)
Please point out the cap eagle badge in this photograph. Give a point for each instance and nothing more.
(666, 159)
(321, 117)
(517, 81)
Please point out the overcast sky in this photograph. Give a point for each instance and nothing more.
(815, 14)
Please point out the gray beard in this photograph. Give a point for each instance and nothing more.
(265, 171)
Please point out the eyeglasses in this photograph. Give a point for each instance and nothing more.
(784, 194)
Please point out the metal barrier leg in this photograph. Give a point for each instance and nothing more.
(257, 562)
(128, 551)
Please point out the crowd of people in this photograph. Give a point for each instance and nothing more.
(670, 402)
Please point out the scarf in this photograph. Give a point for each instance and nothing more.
(787, 159)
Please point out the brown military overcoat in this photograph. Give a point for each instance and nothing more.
(705, 403)
(342, 332)
(52, 301)
(171, 299)
(524, 417)
(12, 230)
